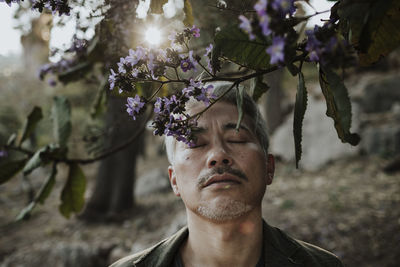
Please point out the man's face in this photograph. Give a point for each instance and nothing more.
(226, 173)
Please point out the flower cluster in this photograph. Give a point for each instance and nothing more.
(78, 49)
(181, 38)
(140, 64)
(144, 64)
(269, 15)
(135, 106)
(171, 120)
(325, 46)
(60, 6)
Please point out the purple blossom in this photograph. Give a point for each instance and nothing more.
(112, 79)
(3, 153)
(135, 56)
(188, 63)
(245, 25)
(158, 105)
(284, 7)
(260, 7)
(134, 106)
(52, 82)
(207, 94)
(195, 31)
(190, 90)
(276, 50)
(121, 65)
(264, 21)
(208, 57)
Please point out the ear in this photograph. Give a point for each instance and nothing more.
(172, 180)
(270, 168)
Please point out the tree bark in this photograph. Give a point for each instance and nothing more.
(113, 192)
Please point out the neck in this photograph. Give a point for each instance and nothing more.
(233, 243)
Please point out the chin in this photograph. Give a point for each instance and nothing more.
(223, 209)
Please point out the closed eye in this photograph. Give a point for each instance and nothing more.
(237, 141)
(197, 146)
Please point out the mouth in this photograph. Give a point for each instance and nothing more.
(224, 179)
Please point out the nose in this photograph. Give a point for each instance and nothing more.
(219, 158)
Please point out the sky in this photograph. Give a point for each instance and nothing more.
(10, 38)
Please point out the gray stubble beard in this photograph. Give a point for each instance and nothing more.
(223, 210)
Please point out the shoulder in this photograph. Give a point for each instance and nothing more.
(318, 255)
(158, 255)
(129, 260)
(297, 252)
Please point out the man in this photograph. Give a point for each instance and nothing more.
(222, 181)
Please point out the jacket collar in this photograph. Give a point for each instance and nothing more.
(279, 249)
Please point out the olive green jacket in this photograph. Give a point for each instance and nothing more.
(280, 250)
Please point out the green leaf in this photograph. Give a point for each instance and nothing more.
(374, 27)
(11, 139)
(35, 161)
(189, 19)
(156, 6)
(239, 104)
(41, 196)
(234, 44)
(72, 195)
(9, 169)
(61, 115)
(299, 111)
(98, 105)
(338, 104)
(33, 118)
(47, 186)
(259, 88)
(26, 212)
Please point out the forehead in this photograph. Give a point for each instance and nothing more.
(221, 112)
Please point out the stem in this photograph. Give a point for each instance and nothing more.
(156, 92)
(89, 160)
(204, 68)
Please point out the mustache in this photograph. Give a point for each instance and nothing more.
(220, 170)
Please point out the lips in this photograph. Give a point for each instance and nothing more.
(224, 178)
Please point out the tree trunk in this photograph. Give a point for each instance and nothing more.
(113, 192)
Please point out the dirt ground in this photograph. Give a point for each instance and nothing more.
(350, 207)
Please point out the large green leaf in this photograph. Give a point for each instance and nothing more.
(374, 27)
(338, 104)
(41, 196)
(187, 8)
(33, 118)
(61, 115)
(233, 43)
(36, 160)
(260, 88)
(299, 111)
(98, 105)
(47, 186)
(72, 195)
(156, 6)
(10, 168)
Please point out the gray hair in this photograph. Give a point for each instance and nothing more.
(249, 107)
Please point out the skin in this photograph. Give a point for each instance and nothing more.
(224, 213)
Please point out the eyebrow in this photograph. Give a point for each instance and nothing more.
(227, 126)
